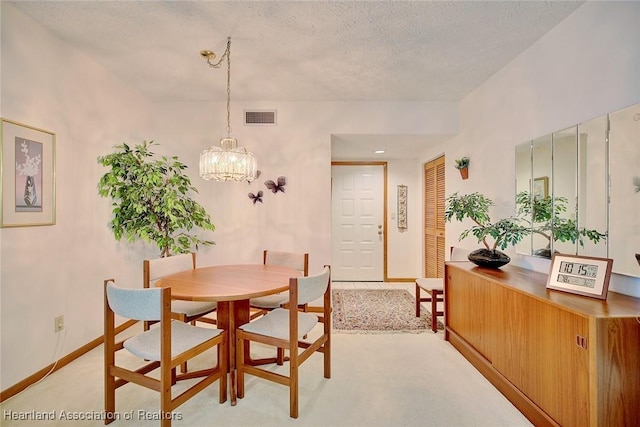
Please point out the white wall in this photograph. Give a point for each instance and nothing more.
(404, 248)
(299, 148)
(585, 67)
(58, 270)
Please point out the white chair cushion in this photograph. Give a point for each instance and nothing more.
(183, 337)
(276, 324)
(286, 259)
(270, 302)
(192, 308)
(160, 267)
(428, 284)
(137, 304)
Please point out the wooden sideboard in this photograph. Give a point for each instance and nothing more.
(561, 359)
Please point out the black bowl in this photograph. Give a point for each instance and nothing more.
(488, 258)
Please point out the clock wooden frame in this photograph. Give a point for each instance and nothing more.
(581, 275)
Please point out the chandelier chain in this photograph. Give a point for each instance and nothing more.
(227, 55)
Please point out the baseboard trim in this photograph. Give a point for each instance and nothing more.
(399, 279)
(65, 360)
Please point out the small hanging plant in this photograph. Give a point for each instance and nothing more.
(151, 200)
(462, 163)
(463, 166)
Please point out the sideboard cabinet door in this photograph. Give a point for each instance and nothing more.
(543, 351)
(472, 317)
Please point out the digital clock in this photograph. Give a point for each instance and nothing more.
(582, 275)
(579, 269)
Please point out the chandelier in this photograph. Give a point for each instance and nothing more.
(226, 162)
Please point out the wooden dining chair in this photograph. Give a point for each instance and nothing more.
(434, 287)
(185, 311)
(295, 260)
(285, 328)
(164, 346)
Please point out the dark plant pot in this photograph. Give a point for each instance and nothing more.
(544, 253)
(464, 173)
(488, 258)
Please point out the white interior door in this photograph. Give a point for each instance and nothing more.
(357, 206)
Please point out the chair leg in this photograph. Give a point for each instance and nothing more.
(223, 365)
(109, 397)
(239, 366)
(327, 357)
(167, 378)
(435, 297)
(417, 300)
(109, 361)
(293, 386)
(183, 318)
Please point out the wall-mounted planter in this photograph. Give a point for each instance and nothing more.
(462, 165)
(464, 173)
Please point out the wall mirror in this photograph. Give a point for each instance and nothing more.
(624, 190)
(579, 189)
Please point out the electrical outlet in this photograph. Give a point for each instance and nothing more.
(58, 323)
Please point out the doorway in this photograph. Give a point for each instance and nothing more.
(358, 221)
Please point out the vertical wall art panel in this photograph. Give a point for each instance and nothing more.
(402, 208)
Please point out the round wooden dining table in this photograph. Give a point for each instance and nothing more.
(231, 287)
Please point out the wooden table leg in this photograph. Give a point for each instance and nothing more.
(232, 314)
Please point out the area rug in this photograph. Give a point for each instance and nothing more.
(371, 311)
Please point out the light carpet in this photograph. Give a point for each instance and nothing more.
(377, 311)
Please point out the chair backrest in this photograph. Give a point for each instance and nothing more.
(137, 304)
(458, 254)
(311, 288)
(160, 267)
(295, 260)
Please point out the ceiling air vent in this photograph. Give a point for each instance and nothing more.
(260, 117)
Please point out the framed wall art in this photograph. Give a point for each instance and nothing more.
(28, 175)
(541, 187)
(582, 275)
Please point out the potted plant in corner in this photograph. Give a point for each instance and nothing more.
(151, 200)
(505, 232)
(462, 165)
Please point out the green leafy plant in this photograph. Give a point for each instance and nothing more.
(544, 216)
(151, 199)
(475, 206)
(462, 163)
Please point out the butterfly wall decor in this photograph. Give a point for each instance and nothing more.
(276, 187)
(256, 197)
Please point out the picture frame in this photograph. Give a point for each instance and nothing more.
(541, 187)
(402, 207)
(581, 275)
(27, 178)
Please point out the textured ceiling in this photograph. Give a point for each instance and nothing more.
(303, 50)
(306, 50)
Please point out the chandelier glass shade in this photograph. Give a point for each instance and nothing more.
(227, 161)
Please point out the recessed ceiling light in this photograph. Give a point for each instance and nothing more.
(379, 151)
